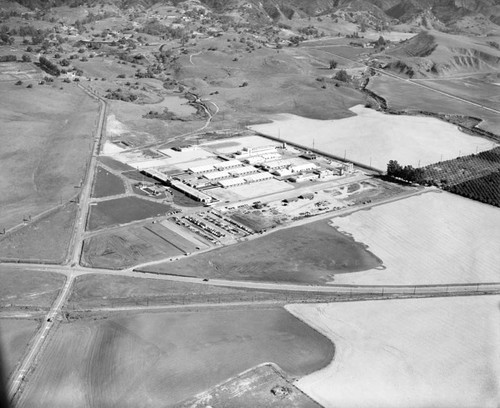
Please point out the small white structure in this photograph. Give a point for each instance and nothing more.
(201, 169)
(277, 164)
(230, 164)
(283, 172)
(232, 182)
(256, 178)
(304, 167)
(217, 175)
(243, 171)
(191, 192)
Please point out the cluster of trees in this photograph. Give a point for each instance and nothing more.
(407, 173)
(49, 66)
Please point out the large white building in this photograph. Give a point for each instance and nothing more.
(243, 171)
(230, 164)
(255, 178)
(232, 182)
(303, 167)
(277, 164)
(217, 175)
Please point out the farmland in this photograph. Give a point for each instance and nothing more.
(28, 288)
(14, 337)
(416, 226)
(374, 138)
(475, 176)
(312, 253)
(144, 359)
(124, 210)
(45, 239)
(426, 352)
(46, 144)
(263, 386)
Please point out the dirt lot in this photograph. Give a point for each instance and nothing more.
(312, 253)
(14, 337)
(25, 288)
(263, 386)
(133, 245)
(45, 239)
(107, 184)
(144, 359)
(46, 140)
(124, 210)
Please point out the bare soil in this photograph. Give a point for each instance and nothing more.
(15, 335)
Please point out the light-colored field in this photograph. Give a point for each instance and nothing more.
(253, 190)
(14, 337)
(13, 71)
(375, 138)
(157, 359)
(441, 352)
(388, 35)
(434, 238)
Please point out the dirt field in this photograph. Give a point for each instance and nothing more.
(106, 184)
(114, 164)
(46, 138)
(25, 288)
(263, 386)
(46, 239)
(312, 253)
(402, 95)
(144, 359)
(14, 337)
(406, 233)
(413, 353)
(374, 138)
(124, 210)
(133, 245)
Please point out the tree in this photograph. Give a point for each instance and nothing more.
(26, 58)
(333, 64)
(342, 76)
(381, 42)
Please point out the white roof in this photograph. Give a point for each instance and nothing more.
(278, 163)
(232, 182)
(217, 175)
(244, 170)
(306, 166)
(228, 164)
(201, 169)
(258, 177)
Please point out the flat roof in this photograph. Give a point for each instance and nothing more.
(202, 169)
(217, 175)
(190, 190)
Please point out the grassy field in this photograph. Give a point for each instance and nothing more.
(46, 138)
(94, 291)
(262, 386)
(374, 138)
(413, 353)
(124, 210)
(312, 253)
(45, 239)
(107, 184)
(133, 245)
(434, 238)
(404, 95)
(145, 359)
(26, 288)
(14, 337)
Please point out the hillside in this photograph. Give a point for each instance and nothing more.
(433, 53)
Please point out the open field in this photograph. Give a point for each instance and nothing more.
(14, 71)
(407, 353)
(124, 210)
(374, 138)
(311, 253)
(46, 139)
(145, 359)
(434, 238)
(106, 184)
(115, 164)
(133, 245)
(404, 95)
(263, 386)
(26, 288)
(45, 239)
(14, 337)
